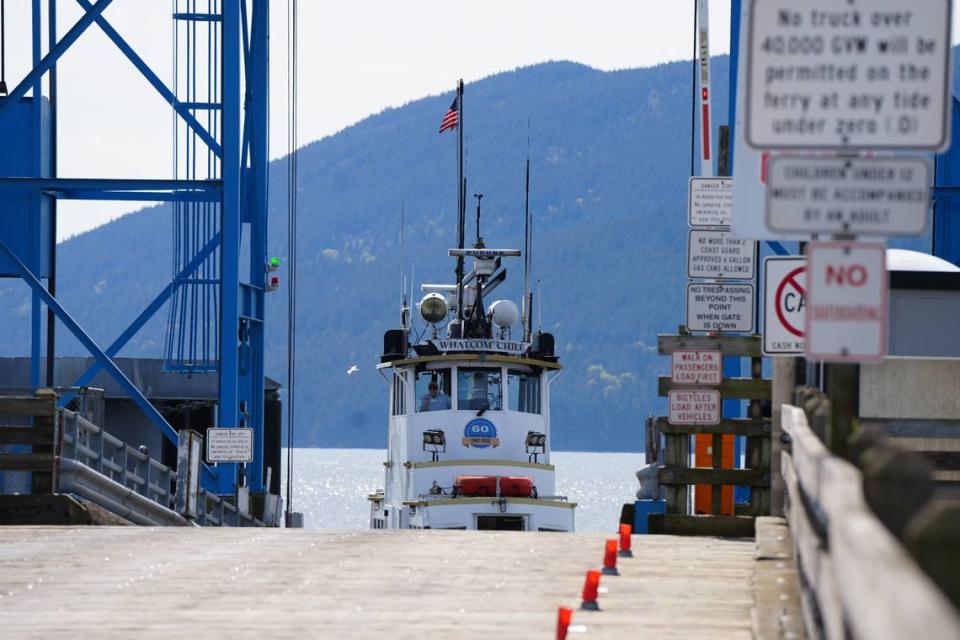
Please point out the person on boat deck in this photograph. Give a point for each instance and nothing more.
(434, 400)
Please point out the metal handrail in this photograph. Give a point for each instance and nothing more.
(106, 454)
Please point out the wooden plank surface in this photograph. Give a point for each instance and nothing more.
(131, 582)
(26, 435)
(674, 475)
(26, 462)
(722, 526)
(18, 406)
(736, 427)
(776, 586)
(745, 346)
(743, 388)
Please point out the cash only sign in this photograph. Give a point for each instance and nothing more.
(847, 99)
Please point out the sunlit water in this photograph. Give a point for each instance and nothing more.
(330, 486)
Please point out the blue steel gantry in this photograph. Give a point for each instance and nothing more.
(222, 122)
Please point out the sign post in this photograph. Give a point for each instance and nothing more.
(694, 406)
(846, 305)
(229, 445)
(854, 75)
(696, 367)
(872, 196)
(784, 306)
(710, 202)
(720, 307)
(719, 255)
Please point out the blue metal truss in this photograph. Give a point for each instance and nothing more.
(240, 191)
(946, 207)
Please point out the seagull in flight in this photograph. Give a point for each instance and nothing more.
(352, 370)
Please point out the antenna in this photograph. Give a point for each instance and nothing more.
(539, 306)
(527, 296)
(479, 242)
(403, 278)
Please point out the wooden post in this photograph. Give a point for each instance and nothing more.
(43, 482)
(677, 454)
(933, 537)
(896, 484)
(784, 372)
(843, 390)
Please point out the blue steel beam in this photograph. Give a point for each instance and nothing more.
(230, 210)
(92, 13)
(108, 184)
(92, 347)
(137, 196)
(154, 80)
(35, 318)
(946, 208)
(143, 318)
(257, 182)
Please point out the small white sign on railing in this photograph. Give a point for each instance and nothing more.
(230, 445)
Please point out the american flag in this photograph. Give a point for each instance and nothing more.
(451, 118)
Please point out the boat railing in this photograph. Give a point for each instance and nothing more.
(449, 495)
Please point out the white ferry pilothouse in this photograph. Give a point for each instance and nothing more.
(469, 427)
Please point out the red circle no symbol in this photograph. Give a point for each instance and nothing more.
(791, 281)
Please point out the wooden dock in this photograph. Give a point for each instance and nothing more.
(122, 582)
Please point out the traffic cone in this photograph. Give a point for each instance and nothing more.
(626, 530)
(610, 559)
(590, 586)
(563, 622)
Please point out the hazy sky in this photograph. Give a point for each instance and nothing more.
(356, 58)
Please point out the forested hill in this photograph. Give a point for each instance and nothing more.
(610, 157)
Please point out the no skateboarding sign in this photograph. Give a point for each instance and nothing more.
(784, 306)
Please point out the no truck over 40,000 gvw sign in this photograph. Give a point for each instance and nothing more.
(848, 74)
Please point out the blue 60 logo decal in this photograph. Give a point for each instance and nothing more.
(480, 433)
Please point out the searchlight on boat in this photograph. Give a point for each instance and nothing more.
(433, 308)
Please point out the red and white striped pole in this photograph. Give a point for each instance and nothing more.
(703, 55)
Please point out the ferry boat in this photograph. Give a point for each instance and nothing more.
(469, 427)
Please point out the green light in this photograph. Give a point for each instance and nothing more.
(274, 262)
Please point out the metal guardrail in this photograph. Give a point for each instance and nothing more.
(129, 467)
(65, 452)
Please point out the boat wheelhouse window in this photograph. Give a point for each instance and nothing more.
(478, 389)
(524, 392)
(426, 399)
(398, 406)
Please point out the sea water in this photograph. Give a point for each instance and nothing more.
(330, 486)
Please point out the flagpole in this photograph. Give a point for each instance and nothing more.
(460, 203)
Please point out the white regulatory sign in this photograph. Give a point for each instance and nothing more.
(693, 407)
(859, 74)
(784, 306)
(710, 202)
(696, 367)
(870, 196)
(230, 445)
(719, 255)
(846, 301)
(720, 307)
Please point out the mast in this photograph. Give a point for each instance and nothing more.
(527, 294)
(461, 203)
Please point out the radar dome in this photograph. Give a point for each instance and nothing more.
(504, 313)
(433, 308)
